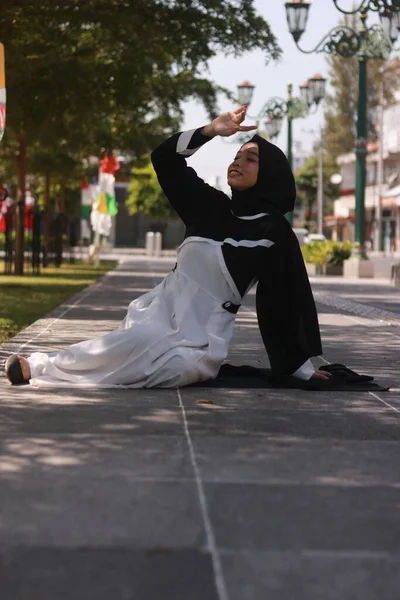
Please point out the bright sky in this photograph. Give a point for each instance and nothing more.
(270, 80)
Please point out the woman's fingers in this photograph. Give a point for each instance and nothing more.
(239, 117)
(231, 122)
(239, 114)
(240, 109)
(242, 114)
(321, 375)
(326, 373)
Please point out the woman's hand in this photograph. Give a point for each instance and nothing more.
(228, 123)
(321, 375)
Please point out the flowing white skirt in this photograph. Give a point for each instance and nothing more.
(173, 336)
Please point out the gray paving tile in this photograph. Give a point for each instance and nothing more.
(74, 458)
(370, 294)
(289, 576)
(393, 400)
(97, 489)
(375, 424)
(242, 459)
(106, 574)
(300, 517)
(103, 418)
(278, 399)
(100, 512)
(50, 398)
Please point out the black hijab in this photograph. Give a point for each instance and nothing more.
(275, 189)
(285, 305)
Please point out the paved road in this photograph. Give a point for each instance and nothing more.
(207, 494)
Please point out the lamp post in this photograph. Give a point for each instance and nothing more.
(276, 108)
(320, 188)
(374, 42)
(378, 208)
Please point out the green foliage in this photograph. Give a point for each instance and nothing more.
(27, 237)
(72, 200)
(113, 74)
(341, 104)
(145, 193)
(307, 184)
(339, 252)
(25, 299)
(326, 253)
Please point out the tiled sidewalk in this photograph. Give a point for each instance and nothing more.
(202, 493)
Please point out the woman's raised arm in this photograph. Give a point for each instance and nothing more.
(189, 195)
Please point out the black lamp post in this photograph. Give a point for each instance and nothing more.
(374, 42)
(276, 108)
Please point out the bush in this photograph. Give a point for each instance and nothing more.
(326, 253)
(339, 252)
(315, 253)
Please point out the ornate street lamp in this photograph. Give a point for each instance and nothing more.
(297, 16)
(245, 92)
(390, 23)
(273, 126)
(306, 93)
(276, 108)
(317, 86)
(374, 42)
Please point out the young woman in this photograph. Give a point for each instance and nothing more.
(178, 334)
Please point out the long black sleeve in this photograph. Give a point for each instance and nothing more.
(285, 306)
(189, 195)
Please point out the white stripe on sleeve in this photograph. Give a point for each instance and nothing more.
(305, 371)
(183, 143)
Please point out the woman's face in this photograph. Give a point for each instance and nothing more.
(243, 171)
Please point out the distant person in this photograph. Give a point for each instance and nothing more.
(6, 209)
(178, 333)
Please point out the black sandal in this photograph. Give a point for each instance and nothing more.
(13, 370)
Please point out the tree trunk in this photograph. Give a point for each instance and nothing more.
(20, 209)
(46, 231)
(60, 223)
(61, 205)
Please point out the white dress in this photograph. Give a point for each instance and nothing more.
(172, 336)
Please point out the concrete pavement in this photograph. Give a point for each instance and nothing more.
(205, 493)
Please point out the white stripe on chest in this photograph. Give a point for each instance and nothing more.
(248, 243)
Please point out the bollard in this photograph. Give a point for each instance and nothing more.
(157, 243)
(149, 243)
(396, 275)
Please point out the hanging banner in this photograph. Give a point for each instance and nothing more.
(89, 193)
(2, 92)
(105, 206)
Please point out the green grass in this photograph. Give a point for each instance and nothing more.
(24, 299)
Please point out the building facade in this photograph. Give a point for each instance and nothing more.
(340, 225)
(129, 231)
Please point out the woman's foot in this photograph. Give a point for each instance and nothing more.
(17, 369)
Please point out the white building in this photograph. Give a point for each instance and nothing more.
(341, 223)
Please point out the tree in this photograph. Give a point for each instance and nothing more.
(341, 104)
(110, 73)
(307, 184)
(145, 193)
(54, 167)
